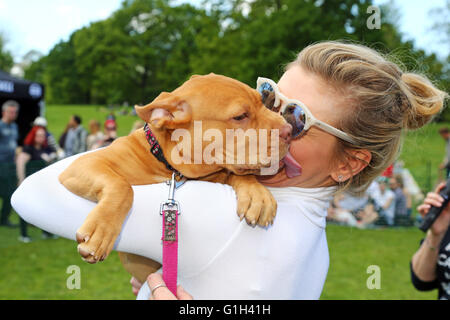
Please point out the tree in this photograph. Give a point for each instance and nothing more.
(149, 46)
(6, 59)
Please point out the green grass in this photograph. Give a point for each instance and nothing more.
(353, 250)
(37, 270)
(58, 117)
(422, 153)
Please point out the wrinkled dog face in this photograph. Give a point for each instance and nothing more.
(218, 121)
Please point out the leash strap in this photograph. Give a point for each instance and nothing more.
(170, 249)
(170, 210)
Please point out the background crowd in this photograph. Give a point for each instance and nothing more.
(387, 202)
(39, 149)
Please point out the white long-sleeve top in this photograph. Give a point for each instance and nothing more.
(219, 256)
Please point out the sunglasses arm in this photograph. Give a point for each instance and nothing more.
(338, 133)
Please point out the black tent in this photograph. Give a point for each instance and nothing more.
(30, 96)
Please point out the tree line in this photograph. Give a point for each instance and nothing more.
(149, 46)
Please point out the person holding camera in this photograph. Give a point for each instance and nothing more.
(430, 265)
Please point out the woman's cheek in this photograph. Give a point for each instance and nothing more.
(313, 157)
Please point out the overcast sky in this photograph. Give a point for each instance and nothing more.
(40, 24)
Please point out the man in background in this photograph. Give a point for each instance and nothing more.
(9, 135)
(76, 138)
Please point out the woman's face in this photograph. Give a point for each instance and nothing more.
(39, 138)
(314, 150)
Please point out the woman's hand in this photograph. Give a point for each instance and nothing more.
(135, 285)
(161, 292)
(442, 223)
(155, 280)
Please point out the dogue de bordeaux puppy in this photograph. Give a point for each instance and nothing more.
(106, 176)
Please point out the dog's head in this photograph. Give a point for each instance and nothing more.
(213, 122)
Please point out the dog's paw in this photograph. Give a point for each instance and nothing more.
(256, 204)
(95, 240)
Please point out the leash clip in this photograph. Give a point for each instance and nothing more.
(170, 210)
(171, 203)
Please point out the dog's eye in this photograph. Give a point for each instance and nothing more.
(241, 117)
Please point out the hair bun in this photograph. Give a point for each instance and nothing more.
(424, 100)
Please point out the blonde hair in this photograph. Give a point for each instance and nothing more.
(385, 101)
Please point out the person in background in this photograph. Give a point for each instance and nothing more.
(138, 124)
(385, 202)
(42, 122)
(110, 134)
(445, 134)
(9, 135)
(95, 136)
(407, 194)
(389, 172)
(429, 267)
(400, 209)
(62, 138)
(383, 205)
(35, 148)
(75, 140)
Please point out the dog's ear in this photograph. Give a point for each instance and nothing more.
(167, 110)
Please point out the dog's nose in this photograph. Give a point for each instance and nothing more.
(286, 133)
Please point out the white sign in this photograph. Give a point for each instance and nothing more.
(35, 90)
(6, 86)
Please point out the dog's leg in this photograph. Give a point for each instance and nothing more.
(254, 201)
(138, 266)
(97, 182)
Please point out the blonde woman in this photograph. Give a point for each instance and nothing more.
(349, 108)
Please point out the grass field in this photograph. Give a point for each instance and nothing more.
(37, 270)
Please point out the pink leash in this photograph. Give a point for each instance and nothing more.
(170, 211)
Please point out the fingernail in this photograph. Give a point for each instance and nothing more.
(86, 239)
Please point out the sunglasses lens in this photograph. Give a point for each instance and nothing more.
(296, 117)
(267, 93)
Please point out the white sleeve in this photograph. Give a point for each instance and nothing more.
(42, 201)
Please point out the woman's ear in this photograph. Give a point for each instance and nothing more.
(356, 160)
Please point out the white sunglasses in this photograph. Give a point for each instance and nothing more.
(295, 112)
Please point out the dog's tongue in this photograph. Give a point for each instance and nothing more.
(292, 167)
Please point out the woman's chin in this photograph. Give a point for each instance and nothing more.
(277, 180)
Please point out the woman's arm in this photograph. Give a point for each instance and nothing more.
(21, 162)
(208, 215)
(425, 259)
(388, 203)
